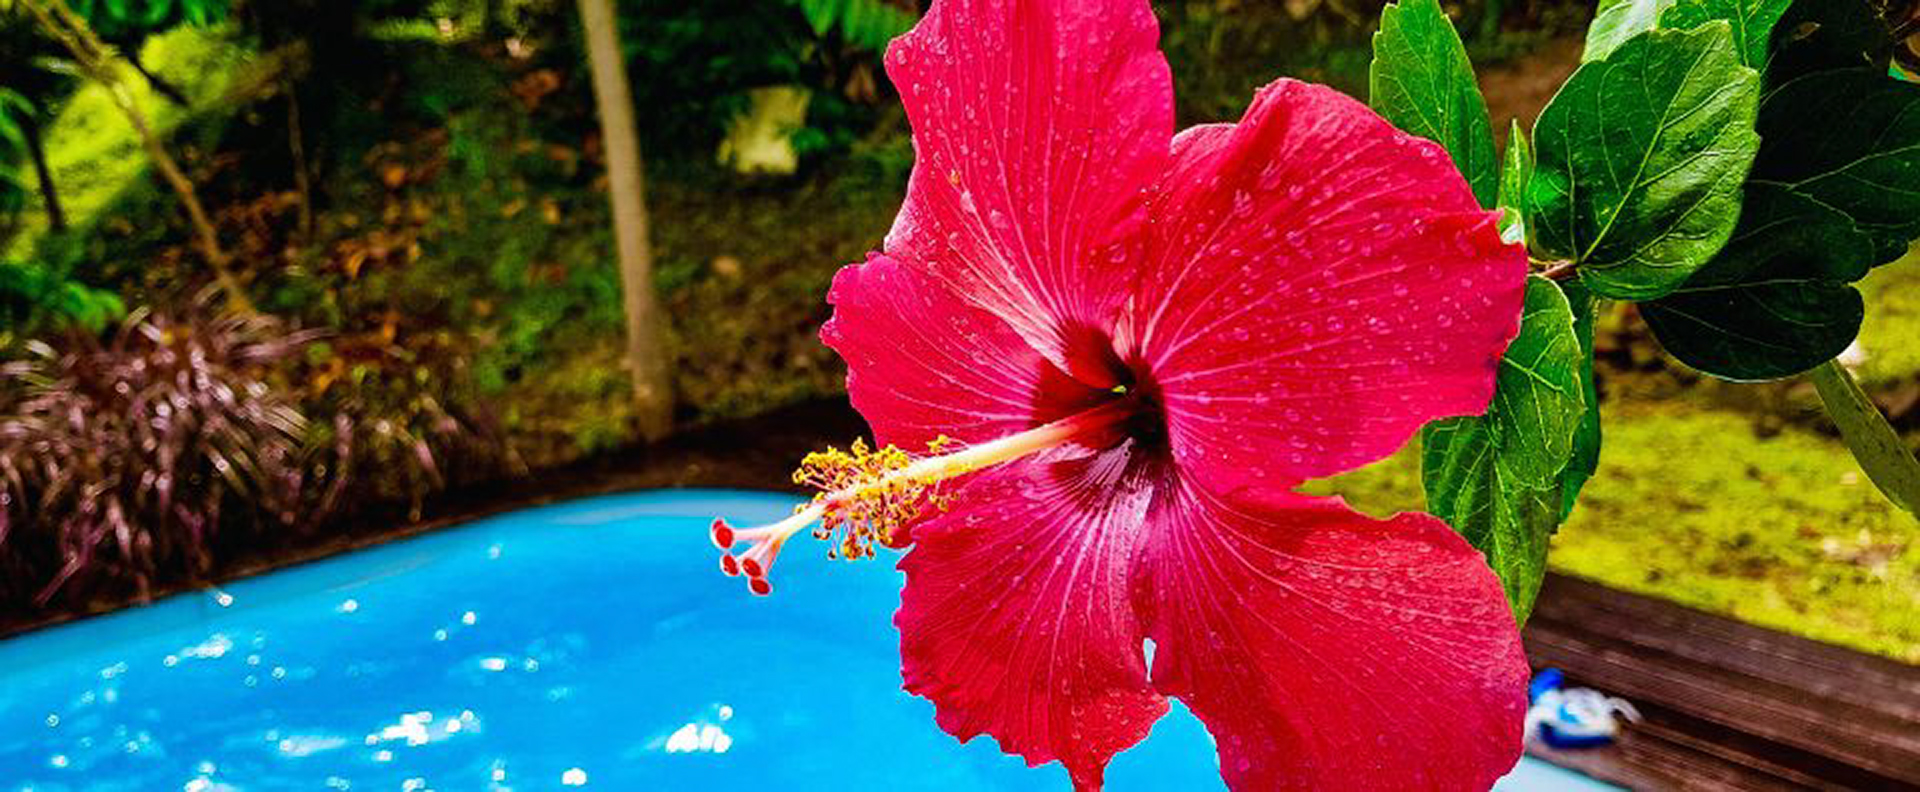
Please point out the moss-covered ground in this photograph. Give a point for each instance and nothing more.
(1695, 505)
(1893, 325)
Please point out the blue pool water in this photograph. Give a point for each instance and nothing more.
(591, 644)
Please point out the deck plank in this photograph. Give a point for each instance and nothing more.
(1727, 705)
(1819, 668)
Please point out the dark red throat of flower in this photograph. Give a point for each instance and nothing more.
(864, 495)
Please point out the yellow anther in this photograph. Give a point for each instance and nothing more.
(863, 495)
(867, 495)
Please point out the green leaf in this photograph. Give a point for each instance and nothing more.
(1862, 155)
(1509, 524)
(1640, 157)
(1752, 22)
(1537, 399)
(14, 154)
(1875, 445)
(1759, 332)
(1422, 81)
(13, 144)
(855, 19)
(1514, 177)
(156, 13)
(1620, 20)
(867, 24)
(204, 12)
(13, 103)
(1818, 35)
(1586, 439)
(820, 14)
(1497, 478)
(1775, 302)
(1825, 203)
(15, 111)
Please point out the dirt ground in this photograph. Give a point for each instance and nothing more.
(1520, 89)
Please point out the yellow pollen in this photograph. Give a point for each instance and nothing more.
(866, 495)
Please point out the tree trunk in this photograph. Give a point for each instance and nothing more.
(56, 219)
(646, 353)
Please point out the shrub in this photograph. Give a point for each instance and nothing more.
(141, 456)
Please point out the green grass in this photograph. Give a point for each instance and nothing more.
(1694, 506)
(1781, 531)
(1893, 322)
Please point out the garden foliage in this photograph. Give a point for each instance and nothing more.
(128, 460)
(868, 24)
(418, 180)
(15, 156)
(1677, 170)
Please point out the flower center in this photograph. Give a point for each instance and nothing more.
(1147, 425)
(865, 494)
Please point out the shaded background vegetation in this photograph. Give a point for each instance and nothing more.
(414, 191)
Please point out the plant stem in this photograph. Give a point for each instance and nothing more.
(160, 86)
(297, 150)
(50, 197)
(204, 233)
(1877, 447)
(1558, 270)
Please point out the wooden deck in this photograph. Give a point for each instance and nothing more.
(1727, 705)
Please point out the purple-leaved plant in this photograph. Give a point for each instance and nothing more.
(138, 457)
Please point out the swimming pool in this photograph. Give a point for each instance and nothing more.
(589, 644)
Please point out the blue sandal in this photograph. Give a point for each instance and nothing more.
(1573, 717)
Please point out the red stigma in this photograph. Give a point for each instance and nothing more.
(764, 545)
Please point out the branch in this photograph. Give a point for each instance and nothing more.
(49, 195)
(207, 238)
(297, 151)
(1557, 270)
(164, 88)
(96, 59)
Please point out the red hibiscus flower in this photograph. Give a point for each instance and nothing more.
(1122, 349)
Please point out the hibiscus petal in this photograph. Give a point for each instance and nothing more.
(1328, 650)
(921, 363)
(1016, 619)
(1318, 285)
(1037, 127)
